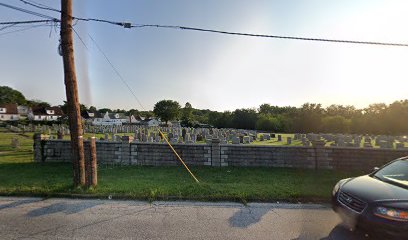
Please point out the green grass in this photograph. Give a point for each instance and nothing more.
(20, 176)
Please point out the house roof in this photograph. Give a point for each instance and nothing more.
(86, 114)
(117, 116)
(138, 117)
(11, 108)
(43, 111)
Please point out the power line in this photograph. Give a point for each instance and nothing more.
(24, 29)
(272, 36)
(39, 5)
(45, 7)
(130, 25)
(28, 22)
(27, 11)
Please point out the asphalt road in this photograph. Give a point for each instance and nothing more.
(36, 218)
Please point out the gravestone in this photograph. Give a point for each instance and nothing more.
(279, 138)
(236, 140)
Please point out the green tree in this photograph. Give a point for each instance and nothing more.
(64, 107)
(167, 110)
(92, 109)
(244, 118)
(336, 124)
(268, 122)
(104, 110)
(9, 95)
(37, 103)
(187, 115)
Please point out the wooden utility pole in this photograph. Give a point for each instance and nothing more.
(71, 89)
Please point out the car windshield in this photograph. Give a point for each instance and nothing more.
(396, 172)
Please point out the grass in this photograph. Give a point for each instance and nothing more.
(19, 175)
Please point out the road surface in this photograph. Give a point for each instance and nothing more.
(37, 218)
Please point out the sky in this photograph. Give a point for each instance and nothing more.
(214, 71)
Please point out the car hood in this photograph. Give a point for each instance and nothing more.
(371, 189)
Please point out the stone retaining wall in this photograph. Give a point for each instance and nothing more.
(216, 154)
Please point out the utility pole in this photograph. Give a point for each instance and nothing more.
(71, 89)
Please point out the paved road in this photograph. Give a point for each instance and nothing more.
(36, 218)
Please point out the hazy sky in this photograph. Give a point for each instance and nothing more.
(214, 71)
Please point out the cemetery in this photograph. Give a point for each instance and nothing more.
(36, 160)
(142, 145)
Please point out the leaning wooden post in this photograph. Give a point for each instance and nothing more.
(91, 165)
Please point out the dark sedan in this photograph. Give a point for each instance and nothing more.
(376, 203)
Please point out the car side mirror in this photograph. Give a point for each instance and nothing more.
(376, 169)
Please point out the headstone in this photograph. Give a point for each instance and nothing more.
(15, 143)
(235, 140)
(279, 138)
(289, 140)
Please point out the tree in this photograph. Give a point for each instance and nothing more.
(267, 122)
(104, 110)
(167, 110)
(336, 124)
(64, 107)
(244, 118)
(9, 95)
(132, 112)
(37, 103)
(186, 118)
(92, 109)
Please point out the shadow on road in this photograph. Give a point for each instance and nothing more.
(340, 232)
(18, 203)
(63, 207)
(247, 216)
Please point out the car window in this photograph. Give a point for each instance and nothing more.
(395, 172)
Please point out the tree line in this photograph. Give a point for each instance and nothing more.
(377, 118)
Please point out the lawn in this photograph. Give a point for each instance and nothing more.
(19, 175)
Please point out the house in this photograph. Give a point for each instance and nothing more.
(9, 112)
(92, 117)
(109, 119)
(23, 111)
(45, 114)
(174, 124)
(136, 119)
(150, 122)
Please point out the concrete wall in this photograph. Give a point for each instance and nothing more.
(216, 154)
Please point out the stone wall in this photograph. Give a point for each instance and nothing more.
(215, 154)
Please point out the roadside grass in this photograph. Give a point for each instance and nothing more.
(19, 175)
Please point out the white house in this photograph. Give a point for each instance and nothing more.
(23, 111)
(136, 119)
(151, 122)
(45, 114)
(92, 117)
(8, 112)
(109, 119)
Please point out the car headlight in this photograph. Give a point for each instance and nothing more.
(392, 214)
(336, 188)
(338, 185)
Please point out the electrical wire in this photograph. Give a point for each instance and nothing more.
(40, 6)
(27, 11)
(116, 71)
(24, 29)
(28, 22)
(272, 36)
(130, 25)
